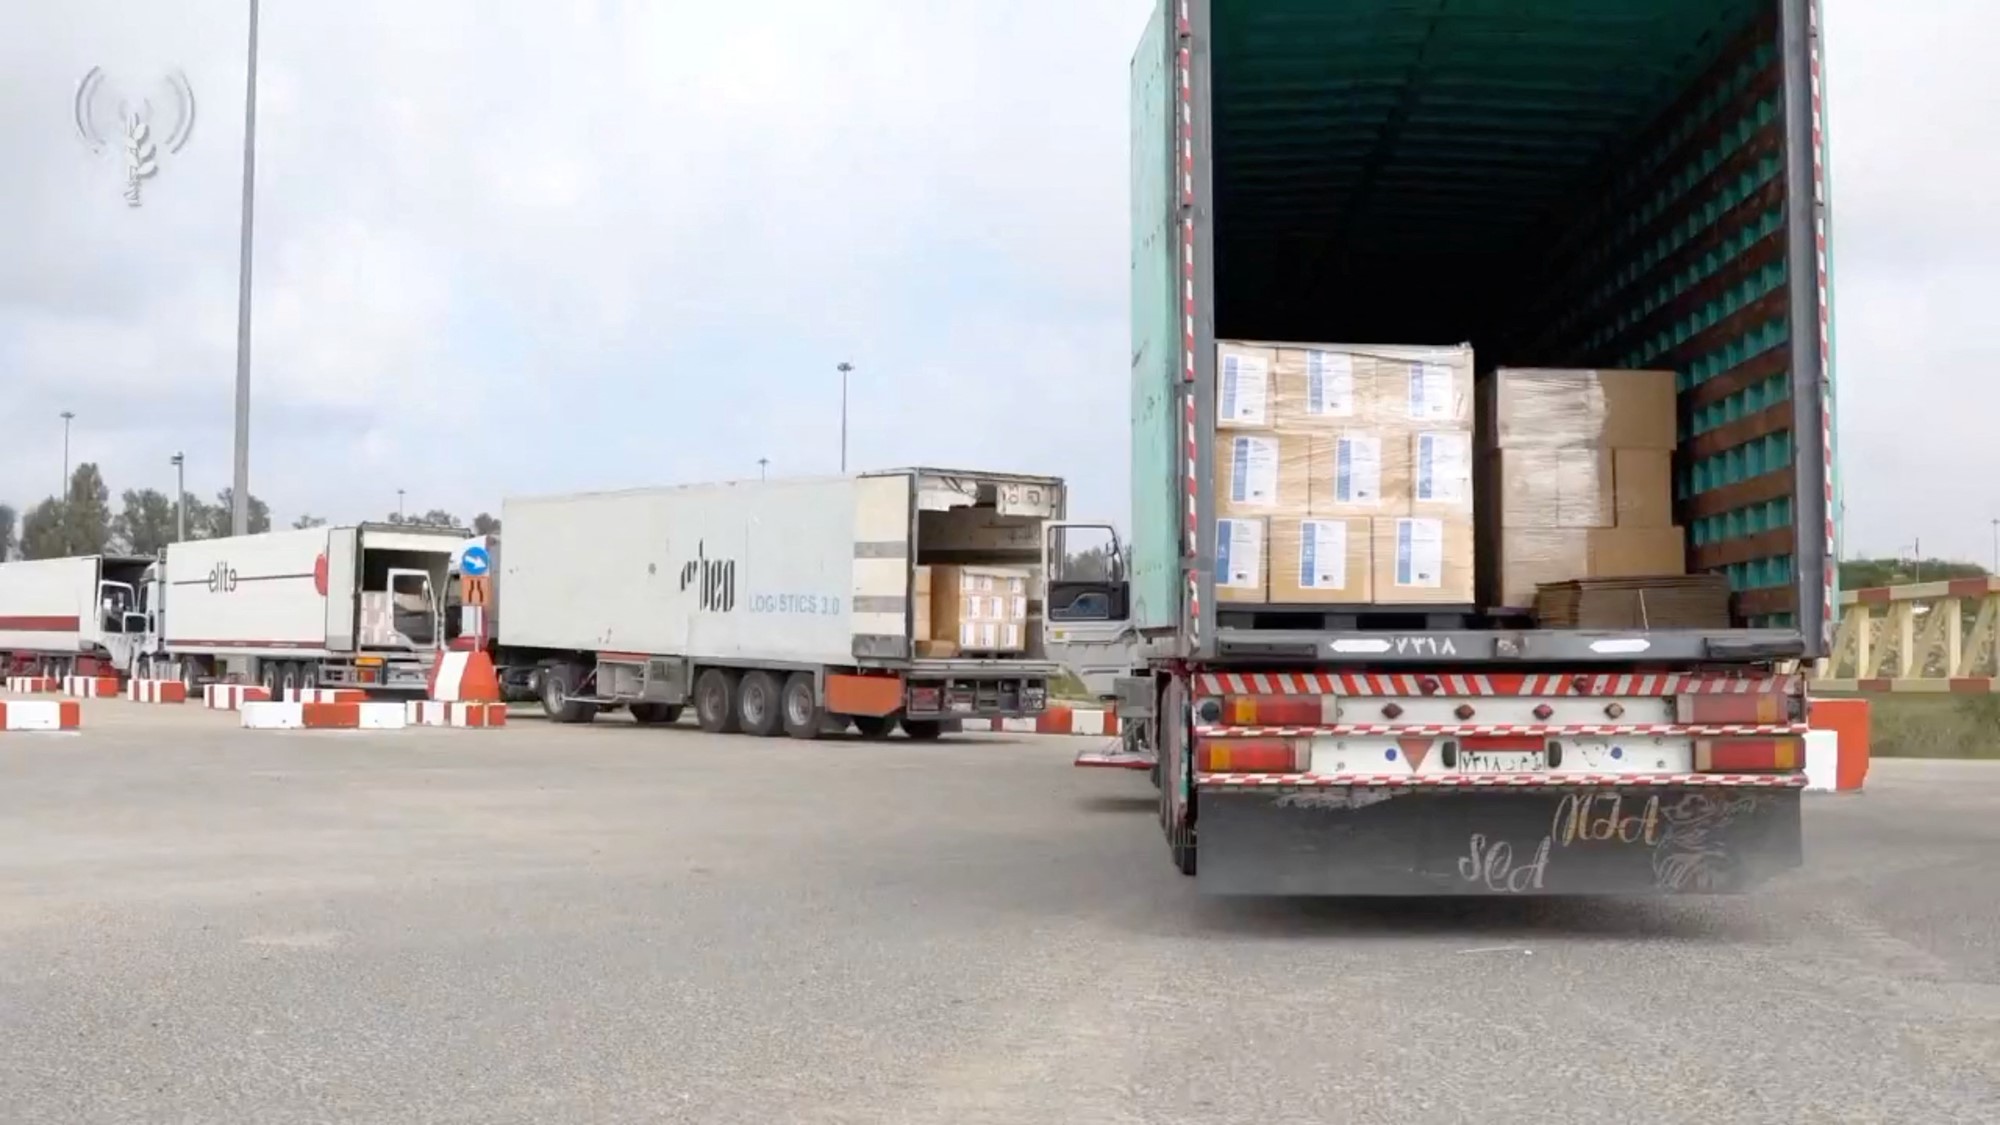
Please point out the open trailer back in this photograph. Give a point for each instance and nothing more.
(784, 606)
(1634, 185)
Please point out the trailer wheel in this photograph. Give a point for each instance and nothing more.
(288, 678)
(715, 701)
(655, 714)
(309, 676)
(874, 726)
(760, 707)
(557, 682)
(923, 730)
(268, 676)
(803, 714)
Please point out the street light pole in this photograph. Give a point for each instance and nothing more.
(399, 505)
(845, 368)
(63, 492)
(180, 497)
(763, 473)
(239, 516)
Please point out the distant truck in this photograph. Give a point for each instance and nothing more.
(768, 607)
(61, 616)
(359, 606)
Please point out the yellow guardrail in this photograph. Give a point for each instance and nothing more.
(1941, 637)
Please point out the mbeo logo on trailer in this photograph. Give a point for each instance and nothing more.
(713, 579)
(222, 580)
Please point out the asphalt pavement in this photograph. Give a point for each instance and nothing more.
(615, 924)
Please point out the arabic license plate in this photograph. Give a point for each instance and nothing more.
(1503, 761)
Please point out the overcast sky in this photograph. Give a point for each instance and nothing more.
(509, 247)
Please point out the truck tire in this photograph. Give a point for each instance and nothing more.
(655, 714)
(923, 730)
(875, 727)
(715, 701)
(309, 675)
(271, 677)
(557, 681)
(760, 707)
(803, 715)
(288, 677)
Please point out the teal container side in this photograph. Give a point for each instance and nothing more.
(1156, 340)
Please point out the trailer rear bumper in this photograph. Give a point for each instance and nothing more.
(1620, 839)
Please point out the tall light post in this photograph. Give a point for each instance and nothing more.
(845, 368)
(399, 505)
(179, 461)
(239, 516)
(63, 492)
(763, 473)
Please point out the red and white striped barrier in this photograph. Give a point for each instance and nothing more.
(40, 714)
(439, 713)
(232, 697)
(1837, 746)
(91, 687)
(156, 691)
(322, 695)
(464, 677)
(1058, 719)
(267, 715)
(32, 685)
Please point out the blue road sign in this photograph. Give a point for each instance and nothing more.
(475, 561)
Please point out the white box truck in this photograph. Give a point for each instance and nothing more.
(59, 616)
(357, 606)
(771, 606)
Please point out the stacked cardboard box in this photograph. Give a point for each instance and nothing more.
(1577, 476)
(1343, 474)
(969, 609)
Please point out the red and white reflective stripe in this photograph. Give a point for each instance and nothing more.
(1497, 684)
(1825, 314)
(1184, 96)
(1476, 730)
(31, 685)
(156, 691)
(1499, 781)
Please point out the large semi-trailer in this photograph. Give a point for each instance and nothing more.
(792, 607)
(1635, 185)
(63, 615)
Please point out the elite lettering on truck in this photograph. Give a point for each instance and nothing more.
(1509, 605)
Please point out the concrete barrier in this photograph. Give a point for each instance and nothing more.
(267, 715)
(40, 715)
(32, 685)
(439, 713)
(91, 687)
(232, 697)
(156, 691)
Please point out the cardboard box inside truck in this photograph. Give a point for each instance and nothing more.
(1322, 561)
(979, 608)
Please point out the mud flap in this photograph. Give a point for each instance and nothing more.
(1586, 841)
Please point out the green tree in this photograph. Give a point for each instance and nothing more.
(307, 521)
(1861, 574)
(86, 512)
(9, 526)
(42, 531)
(146, 522)
(214, 521)
(436, 517)
(485, 524)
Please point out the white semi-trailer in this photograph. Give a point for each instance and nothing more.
(59, 616)
(338, 606)
(794, 606)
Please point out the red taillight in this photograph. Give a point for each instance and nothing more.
(1273, 711)
(1252, 755)
(1749, 755)
(1763, 708)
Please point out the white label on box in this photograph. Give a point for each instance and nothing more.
(1245, 392)
(1323, 554)
(1420, 553)
(1020, 609)
(1330, 384)
(1253, 471)
(1239, 553)
(1443, 468)
(1357, 470)
(1432, 397)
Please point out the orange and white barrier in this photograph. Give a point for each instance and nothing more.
(156, 691)
(322, 695)
(267, 715)
(464, 677)
(232, 697)
(439, 713)
(91, 687)
(31, 685)
(1837, 745)
(40, 714)
(1060, 718)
